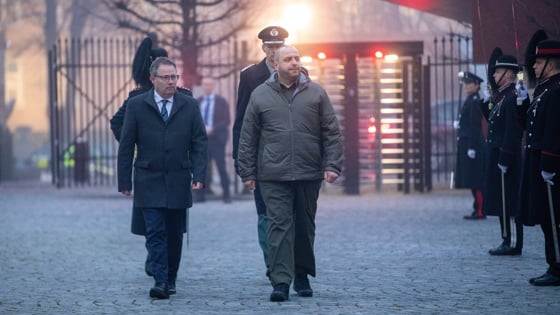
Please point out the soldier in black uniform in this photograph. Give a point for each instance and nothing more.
(143, 58)
(470, 144)
(540, 191)
(503, 152)
(252, 76)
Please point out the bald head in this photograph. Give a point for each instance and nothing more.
(287, 64)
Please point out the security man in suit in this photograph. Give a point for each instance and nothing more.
(540, 188)
(143, 58)
(252, 76)
(470, 144)
(215, 113)
(165, 131)
(503, 152)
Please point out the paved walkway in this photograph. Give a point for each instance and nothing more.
(70, 252)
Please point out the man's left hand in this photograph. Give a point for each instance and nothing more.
(330, 177)
(197, 185)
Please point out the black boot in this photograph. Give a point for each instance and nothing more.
(505, 250)
(302, 287)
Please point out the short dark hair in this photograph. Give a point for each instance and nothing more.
(161, 61)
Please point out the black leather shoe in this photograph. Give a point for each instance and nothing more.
(171, 288)
(546, 280)
(474, 216)
(159, 291)
(302, 287)
(280, 293)
(531, 280)
(147, 267)
(505, 250)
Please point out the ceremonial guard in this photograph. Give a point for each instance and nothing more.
(540, 191)
(503, 152)
(470, 144)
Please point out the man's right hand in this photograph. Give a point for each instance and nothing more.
(250, 184)
(127, 192)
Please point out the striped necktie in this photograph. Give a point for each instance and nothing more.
(164, 114)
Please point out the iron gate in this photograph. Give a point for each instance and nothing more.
(449, 55)
(88, 81)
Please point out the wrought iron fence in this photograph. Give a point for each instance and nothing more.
(449, 55)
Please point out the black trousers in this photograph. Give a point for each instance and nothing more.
(554, 267)
(513, 232)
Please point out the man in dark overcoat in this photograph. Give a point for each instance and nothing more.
(167, 130)
(252, 76)
(540, 189)
(503, 154)
(143, 58)
(470, 144)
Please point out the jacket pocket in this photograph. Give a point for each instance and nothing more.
(142, 164)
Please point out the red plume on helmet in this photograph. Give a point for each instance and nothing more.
(496, 53)
(539, 36)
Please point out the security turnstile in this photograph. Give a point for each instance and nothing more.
(375, 90)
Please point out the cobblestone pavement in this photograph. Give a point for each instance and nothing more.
(70, 252)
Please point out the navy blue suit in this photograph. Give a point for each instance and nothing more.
(217, 140)
(169, 157)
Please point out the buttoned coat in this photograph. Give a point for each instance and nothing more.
(169, 156)
(503, 146)
(470, 172)
(541, 118)
(137, 225)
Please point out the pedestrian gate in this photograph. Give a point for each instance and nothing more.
(376, 91)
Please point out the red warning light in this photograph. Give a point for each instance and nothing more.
(371, 126)
(378, 54)
(322, 55)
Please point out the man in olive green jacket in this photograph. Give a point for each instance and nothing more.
(290, 142)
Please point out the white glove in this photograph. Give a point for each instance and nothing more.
(547, 176)
(456, 124)
(502, 168)
(485, 95)
(472, 154)
(522, 93)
